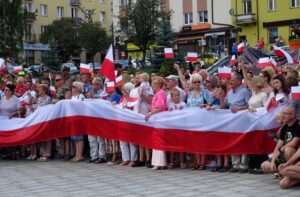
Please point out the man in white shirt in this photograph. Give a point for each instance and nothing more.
(172, 83)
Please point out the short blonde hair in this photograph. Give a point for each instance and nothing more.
(196, 76)
(20, 80)
(144, 77)
(161, 81)
(79, 85)
(98, 80)
(257, 81)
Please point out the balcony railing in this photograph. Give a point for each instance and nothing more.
(75, 2)
(31, 38)
(30, 16)
(245, 18)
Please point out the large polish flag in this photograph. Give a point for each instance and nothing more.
(263, 62)
(18, 69)
(241, 47)
(232, 60)
(282, 53)
(295, 92)
(169, 53)
(190, 130)
(108, 67)
(192, 56)
(224, 72)
(2, 66)
(85, 68)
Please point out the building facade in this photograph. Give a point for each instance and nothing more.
(268, 19)
(42, 13)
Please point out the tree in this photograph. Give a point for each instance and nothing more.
(12, 28)
(62, 36)
(93, 38)
(140, 22)
(165, 36)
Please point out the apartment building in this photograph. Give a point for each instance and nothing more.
(269, 19)
(44, 12)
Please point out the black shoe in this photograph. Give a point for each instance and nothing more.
(224, 169)
(101, 160)
(135, 164)
(216, 169)
(141, 163)
(233, 170)
(91, 161)
(255, 171)
(148, 164)
(243, 171)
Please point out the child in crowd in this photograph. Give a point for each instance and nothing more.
(176, 104)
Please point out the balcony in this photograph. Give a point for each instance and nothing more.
(30, 16)
(245, 19)
(75, 2)
(30, 38)
(77, 21)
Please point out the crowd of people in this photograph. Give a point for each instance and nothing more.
(244, 90)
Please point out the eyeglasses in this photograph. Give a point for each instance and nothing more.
(58, 79)
(196, 82)
(5, 90)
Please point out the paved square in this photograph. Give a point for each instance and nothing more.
(59, 178)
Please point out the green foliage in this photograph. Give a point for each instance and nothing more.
(62, 35)
(93, 38)
(140, 23)
(165, 36)
(12, 28)
(167, 68)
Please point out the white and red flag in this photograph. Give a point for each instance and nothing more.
(232, 60)
(22, 101)
(192, 56)
(119, 81)
(18, 69)
(272, 104)
(52, 90)
(2, 66)
(108, 67)
(263, 62)
(241, 47)
(169, 53)
(110, 86)
(273, 64)
(132, 101)
(282, 53)
(295, 92)
(85, 68)
(224, 72)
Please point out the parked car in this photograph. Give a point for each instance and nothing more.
(34, 69)
(147, 63)
(124, 63)
(73, 68)
(97, 65)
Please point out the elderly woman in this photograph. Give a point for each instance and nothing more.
(77, 89)
(20, 87)
(158, 104)
(128, 150)
(97, 143)
(42, 100)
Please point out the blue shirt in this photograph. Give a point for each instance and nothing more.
(204, 97)
(238, 96)
(87, 87)
(114, 98)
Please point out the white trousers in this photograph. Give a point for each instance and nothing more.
(129, 151)
(159, 158)
(240, 161)
(97, 147)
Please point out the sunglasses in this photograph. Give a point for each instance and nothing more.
(58, 79)
(196, 81)
(74, 87)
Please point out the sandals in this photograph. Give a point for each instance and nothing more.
(43, 159)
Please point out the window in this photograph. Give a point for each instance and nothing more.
(123, 2)
(295, 3)
(273, 34)
(28, 33)
(247, 7)
(188, 18)
(43, 29)
(102, 1)
(203, 16)
(272, 5)
(74, 13)
(43, 10)
(28, 7)
(102, 16)
(60, 12)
